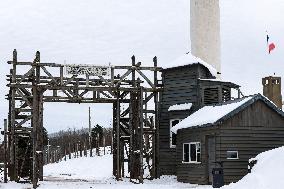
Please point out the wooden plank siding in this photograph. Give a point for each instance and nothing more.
(180, 86)
(255, 129)
(195, 173)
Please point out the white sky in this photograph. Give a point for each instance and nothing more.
(99, 32)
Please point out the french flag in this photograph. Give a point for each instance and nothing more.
(271, 46)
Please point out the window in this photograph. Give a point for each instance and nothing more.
(232, 155)
(192, 152)
(173, 136)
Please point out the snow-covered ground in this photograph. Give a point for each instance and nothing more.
(96, 168)
(96, 172)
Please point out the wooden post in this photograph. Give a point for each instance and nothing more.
(135, 138)
(131, 126)
(90, 134)
(10, 134)
(37, 125)
(69, 150)
(98, 144)
(5, 151)
(65, 153)
(104, 144)
(12, 167)
(48, 151)
(133, 121)
(114, 151)
(117, 115)
(156, 145)
(40, 136)
(61, 75)
(80, 145)
(141, 134)
(34, 137)
(85, 148)
(111, 145)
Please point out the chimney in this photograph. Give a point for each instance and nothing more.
(272, 89)
(205, 31)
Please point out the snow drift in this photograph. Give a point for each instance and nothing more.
(266, 174)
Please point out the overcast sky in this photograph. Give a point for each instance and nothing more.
(99, 32)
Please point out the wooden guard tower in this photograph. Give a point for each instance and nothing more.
(135, 136)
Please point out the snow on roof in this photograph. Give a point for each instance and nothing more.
(188, 59)
(176, 107)
(270, 101)
(209, 114)
(211, 80)
(219, 80)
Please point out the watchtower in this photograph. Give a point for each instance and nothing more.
(187, 86)
(272, 89)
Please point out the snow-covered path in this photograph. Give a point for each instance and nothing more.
(94, 172)
(86, 168)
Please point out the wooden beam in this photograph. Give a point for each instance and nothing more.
(24, 98)
(25, 75)
(146, 78)
(49, 74)
(24, 121)
(123, 77)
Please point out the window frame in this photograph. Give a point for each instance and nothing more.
(231, 152)
(171, 133)
(189, 154)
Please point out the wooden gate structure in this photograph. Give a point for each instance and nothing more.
(135, 126)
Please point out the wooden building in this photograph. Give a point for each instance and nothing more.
(231, 132)
(190, 83)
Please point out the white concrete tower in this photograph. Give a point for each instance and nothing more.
(205, 31)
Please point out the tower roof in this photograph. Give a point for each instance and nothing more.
(189, 59)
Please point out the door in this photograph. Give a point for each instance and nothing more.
(211, 151)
